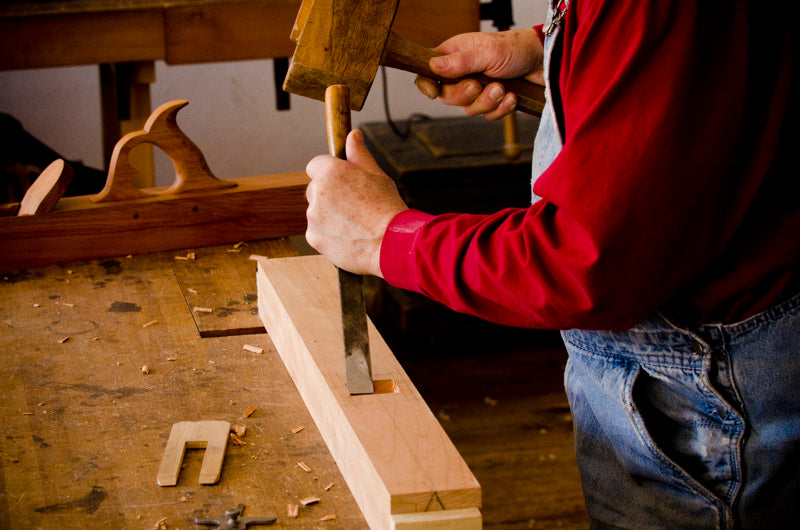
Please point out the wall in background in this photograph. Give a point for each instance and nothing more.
(231, 114)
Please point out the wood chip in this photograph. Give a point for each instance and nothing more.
(235, 440)
(27, 413)
(309, 500)
(193, 291)
(63, 340)
(181, 258)
(203, 310)
(37, 305)
(292, 510)
(8, 459)
(304, 467)
(145, 369)
(161, 524)
(329, 517)
(249, 411)
(329, 486)
(251, 348)
(240, 430)
(489, 401)
(234, 250)
(151, 323)
(68, 305)
(239, 244)
(172, 358)
(191, 255)
(297, 429)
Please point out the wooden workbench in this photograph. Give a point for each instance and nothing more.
(84, 429)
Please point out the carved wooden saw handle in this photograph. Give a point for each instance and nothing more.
(161, 129)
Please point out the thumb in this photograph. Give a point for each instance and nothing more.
(358, 154)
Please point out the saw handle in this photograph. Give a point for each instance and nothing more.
(161, 129)
(407, 55)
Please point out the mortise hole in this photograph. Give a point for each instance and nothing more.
(195, 208)
(385, 386)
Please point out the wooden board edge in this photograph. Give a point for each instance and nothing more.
(464, 519)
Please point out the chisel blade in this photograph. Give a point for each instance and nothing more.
(357, 365)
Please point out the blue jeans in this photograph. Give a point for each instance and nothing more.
(689, 428)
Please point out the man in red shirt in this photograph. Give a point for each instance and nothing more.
(664, 239)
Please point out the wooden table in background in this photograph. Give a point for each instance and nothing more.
(84, 429)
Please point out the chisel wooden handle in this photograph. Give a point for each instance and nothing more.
(357, 364)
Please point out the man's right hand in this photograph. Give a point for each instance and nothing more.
(503, 55)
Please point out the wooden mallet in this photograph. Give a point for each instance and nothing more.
(342, 42)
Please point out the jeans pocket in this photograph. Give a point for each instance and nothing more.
(690, 428)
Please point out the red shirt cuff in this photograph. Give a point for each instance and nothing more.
(398, 248)
(539, 32)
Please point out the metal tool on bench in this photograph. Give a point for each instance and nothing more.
(358, 368)
(233, 520)
(344, 42)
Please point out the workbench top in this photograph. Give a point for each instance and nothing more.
(84, 428)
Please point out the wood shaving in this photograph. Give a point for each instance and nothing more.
(297, 429)
(161, 524)
(63, 340)
(329, 517)
(151, 323)
(249, 411)
(41, 404)
(329, 486)
(145, 369)
(181, 258)
(292, 510)
(253, 349)
(119, 363)
(489, 401)
(37, 305)
(68, 305)
(193, 291)
(191, 255)
(172, 358)
(27, 413)
(239, 244)
(235, 440)
(203, 310)
(309, 500)
(8, 459)
(304, 467)
(234, 250)
(240, 430)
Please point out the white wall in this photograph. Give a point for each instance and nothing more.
(231, 114)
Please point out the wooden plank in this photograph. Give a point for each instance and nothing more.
(430, 23)
(257, 208)
(81, 38)
(390, 448)
(225, 282)
(84, 430)
(237, 31)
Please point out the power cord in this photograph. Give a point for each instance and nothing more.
(406, 132)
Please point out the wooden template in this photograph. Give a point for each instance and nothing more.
(390, 448)
(211, 435)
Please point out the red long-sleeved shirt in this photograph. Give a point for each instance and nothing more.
(674, 189)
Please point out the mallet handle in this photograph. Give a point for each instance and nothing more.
(410, 56)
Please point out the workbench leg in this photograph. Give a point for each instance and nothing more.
(466, 519)
(125, 107)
